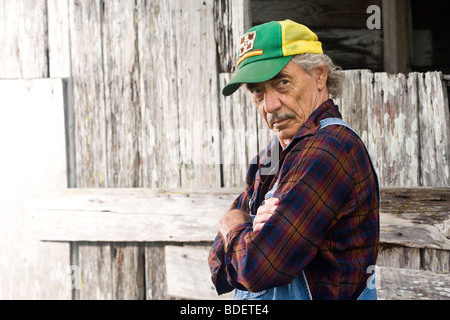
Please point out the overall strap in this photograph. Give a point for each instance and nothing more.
(334, 121)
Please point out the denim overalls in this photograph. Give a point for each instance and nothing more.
(298, 289)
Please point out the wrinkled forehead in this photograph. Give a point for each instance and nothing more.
(291, 70)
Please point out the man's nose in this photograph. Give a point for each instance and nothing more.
(272, 101)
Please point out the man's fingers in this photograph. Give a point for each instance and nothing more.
(257, 227)
(263, 217)
(268, 207)
(260, 221)
(271, 201)
(265, 211)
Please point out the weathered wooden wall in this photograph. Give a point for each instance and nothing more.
(24, 39)
(341, 27)
(144, 109)
(414, 223)
(33, 158)
(147, 110)
(404, 121)
(411, 37)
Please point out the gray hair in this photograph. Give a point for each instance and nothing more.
(309, 61)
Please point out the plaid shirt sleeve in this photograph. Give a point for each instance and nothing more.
(313, 189)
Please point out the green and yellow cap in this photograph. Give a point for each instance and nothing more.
(267, 48)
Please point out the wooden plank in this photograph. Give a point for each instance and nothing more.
(198, 111)
(155, 271)
(239, 134)
(238, 116)
(314, 13)
(95, 271)
(407, 284)
(130, 214)
(351, 105)
(376, 130)
(31, 133)
(59, 56)
(434, 130)
(128, 271)
(111, 271)
(122, 94)
(399, 257)
(58, 39)
(24, 40)
(188, 275)
(436, 260)
(90, 131)
(123, 135)
(107, 100)
(393, 128)
(367, 101)
(403, 232)
(414, 217)
(397, 34)
(232, 20)
(193, 281)
(427, 205)
(159, 98)
(89, 92)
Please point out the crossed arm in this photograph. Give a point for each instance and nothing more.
(235, 217)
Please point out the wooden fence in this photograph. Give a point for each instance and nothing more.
(154, 244)
(143, 111)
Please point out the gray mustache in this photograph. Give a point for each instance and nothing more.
(273, 117)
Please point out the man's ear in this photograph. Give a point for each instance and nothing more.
(321, 76)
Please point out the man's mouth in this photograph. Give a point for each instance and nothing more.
(279, 120)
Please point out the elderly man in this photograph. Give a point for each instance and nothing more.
(307, 225)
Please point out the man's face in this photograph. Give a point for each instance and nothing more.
(287, 100)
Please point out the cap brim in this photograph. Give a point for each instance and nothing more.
(254, 72)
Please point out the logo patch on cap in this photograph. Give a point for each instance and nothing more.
(247, 42)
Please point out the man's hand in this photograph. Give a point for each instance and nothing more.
(232, 219)
(264, 212)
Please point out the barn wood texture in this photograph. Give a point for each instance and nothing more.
(24, 31)
(404, 122)
(175, 228)
(31, 127)
(133, 121)
(181, 215)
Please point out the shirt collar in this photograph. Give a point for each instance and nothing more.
(326, 110)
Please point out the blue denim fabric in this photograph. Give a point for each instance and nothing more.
(368, 294)
(298, 289)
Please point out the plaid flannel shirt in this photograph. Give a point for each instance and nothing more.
(326, 222)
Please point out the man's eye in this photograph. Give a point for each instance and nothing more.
(256, 91)
(284, 82)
